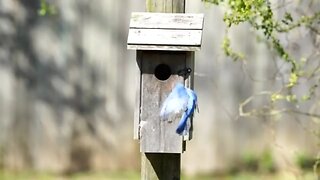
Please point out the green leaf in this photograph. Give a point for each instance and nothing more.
(293, 80)
(306, 98)
(288, 17)
(291, 98)
(276, 96)
(42, 12)
(46, 9)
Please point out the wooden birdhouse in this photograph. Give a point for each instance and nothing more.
(165, 45)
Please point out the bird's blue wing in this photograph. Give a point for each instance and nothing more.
(183, 126)
(176, 102)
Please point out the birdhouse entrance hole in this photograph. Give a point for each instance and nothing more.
(162, 72)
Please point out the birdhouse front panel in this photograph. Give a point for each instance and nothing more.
(160, 72)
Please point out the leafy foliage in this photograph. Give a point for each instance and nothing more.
(254, 163)
(260, 15)
(305, 161)
(46, 8)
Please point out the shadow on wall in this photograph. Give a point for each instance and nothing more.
(59, 119)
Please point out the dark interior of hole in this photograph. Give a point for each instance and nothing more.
(162, 72)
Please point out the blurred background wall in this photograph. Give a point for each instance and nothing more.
(67, 92)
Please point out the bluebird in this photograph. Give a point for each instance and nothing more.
(184, 124)
(181, 99)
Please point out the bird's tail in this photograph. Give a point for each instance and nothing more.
(182, 124)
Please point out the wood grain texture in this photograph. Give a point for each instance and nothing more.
(158, 135)
(160, 166)
(166, 21)
(190, 84)
(137, 110)
(163, 165)
(167, 6)
(165, 31)
(165, 37)
(163, 47)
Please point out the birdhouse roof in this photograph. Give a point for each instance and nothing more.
(165, 31)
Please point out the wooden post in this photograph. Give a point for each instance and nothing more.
(162, 166)
(165, 40)
(165, 6)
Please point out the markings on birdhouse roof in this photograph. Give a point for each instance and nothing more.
(165, 31)
(165, 37)
(166, 21)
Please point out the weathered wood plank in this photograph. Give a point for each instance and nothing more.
(178, 6)
(166, 21)
(190, 84)
(137, 111)
(160, 166)
(158, 135)
(171, 168)
(167, 6)
(164, 48)
(165, 37)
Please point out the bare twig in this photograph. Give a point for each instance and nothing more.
(268, 111)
